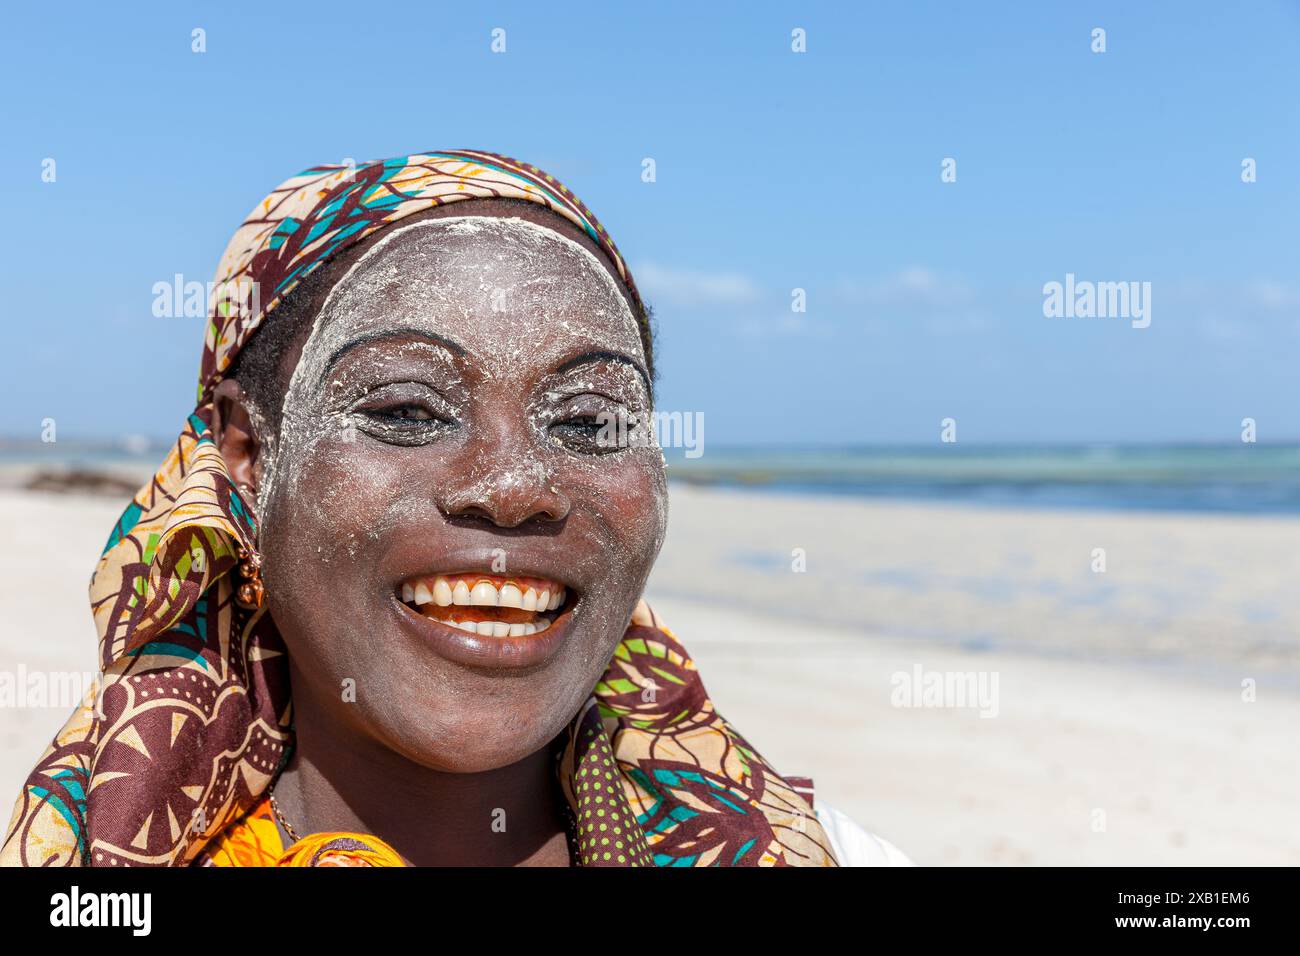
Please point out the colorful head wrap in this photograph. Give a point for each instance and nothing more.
(190, 721)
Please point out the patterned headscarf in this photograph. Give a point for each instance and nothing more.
(190, 721)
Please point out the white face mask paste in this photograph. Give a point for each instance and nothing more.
(462, 270)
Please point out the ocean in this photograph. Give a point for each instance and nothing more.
(1239, 478)
(1236, 479)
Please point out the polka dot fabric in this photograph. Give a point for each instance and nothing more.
(607, 831)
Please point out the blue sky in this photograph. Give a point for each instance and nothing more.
(775, 171)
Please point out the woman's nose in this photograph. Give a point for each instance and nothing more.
(507, 491)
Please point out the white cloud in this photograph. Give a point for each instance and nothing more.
(692, 289)
(942, 305)
(1245, 312)
(1272, 296)
(914, 289)
(793, 324)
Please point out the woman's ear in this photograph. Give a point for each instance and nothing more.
(234, 433)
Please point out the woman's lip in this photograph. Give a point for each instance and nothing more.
(481, 651)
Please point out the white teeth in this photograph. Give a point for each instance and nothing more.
(483, 595)
(441, 592)
(517, 630)
(466, 626)
(500, 629)
(542, 624)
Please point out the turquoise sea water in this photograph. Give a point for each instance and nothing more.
(1240, 478)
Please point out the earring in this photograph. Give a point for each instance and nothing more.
(250, 595)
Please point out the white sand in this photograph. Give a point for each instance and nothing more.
(1121, 735)
(1184, 774)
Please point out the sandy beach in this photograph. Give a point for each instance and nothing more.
(1110, 725)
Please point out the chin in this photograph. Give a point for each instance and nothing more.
(464, 732)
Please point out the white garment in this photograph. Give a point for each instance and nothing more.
(854, 846)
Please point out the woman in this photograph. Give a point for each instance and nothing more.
(397, 496)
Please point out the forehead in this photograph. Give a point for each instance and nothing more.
(504, 288)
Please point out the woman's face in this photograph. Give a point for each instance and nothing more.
(440, 483)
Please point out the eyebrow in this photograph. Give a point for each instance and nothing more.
(382, 334)
(603, 356)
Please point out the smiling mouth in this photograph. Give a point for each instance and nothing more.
(490, 605)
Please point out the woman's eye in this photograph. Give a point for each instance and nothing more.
(592, 434)
(407, 412)
(403, 421)
(588, 423)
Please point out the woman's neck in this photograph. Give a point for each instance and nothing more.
(342, 780)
